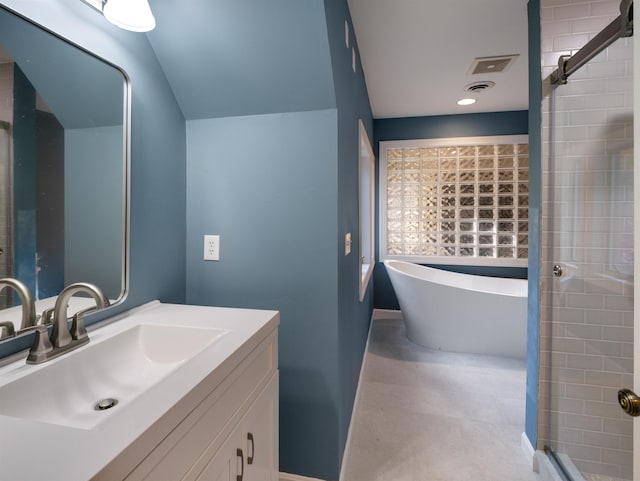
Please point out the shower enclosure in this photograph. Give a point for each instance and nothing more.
(587, 242)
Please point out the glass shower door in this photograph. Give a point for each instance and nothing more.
(588, 267)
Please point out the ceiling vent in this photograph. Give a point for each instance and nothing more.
(485, 65)
(479, 87)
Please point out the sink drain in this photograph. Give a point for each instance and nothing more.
(105, 404)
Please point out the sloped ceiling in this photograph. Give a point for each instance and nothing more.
(416, 54)
(81, 90)
(242, 57)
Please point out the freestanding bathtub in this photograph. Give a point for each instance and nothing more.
(461, 312)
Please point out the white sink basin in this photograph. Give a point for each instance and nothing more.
(121, 367)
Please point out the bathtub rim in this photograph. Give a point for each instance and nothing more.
(448, 275)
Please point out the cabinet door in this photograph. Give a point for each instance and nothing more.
(260, 436)
(250, 453)
(227, 463)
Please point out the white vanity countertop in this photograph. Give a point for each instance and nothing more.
(32, 450)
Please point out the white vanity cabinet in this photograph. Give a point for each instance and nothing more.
(197, 392)
(223, 431)
(249, 453)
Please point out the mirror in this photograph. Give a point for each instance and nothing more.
(63, 167)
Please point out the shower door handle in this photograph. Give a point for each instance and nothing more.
(629, 402)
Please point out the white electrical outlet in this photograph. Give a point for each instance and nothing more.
(211, 247)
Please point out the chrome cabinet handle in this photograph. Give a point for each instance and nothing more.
(240, 454)
(253, 449)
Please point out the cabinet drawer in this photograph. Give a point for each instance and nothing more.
(212, 420)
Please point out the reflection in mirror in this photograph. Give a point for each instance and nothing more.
(62, 167)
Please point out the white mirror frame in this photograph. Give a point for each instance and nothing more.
(366, 188)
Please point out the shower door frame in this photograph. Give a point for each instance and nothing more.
(636, 242)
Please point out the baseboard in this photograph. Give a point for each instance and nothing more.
(347, 444)
(386, 314)
(295, 477)
(529, 452)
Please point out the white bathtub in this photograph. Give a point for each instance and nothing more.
(461, 312)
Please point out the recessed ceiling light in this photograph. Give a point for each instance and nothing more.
(466, 101)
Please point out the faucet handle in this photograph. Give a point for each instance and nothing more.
(41, 346)
(78, 331)
(7, 329)
(46, 317)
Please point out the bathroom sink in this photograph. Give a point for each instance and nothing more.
(120, 367)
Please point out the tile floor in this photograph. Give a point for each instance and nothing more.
(425, 415)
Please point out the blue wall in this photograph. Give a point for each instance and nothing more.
(353, 103)
(444, 126)
(94, 193)
(282, 191)
(53, 68)
(158, 157)
(535, 216)
(228, 58)
(436, 127)
(267, 185)
(24, 178)
(49, 205)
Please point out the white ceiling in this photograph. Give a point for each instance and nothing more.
(416, 54)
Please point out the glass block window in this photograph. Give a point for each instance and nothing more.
(455, 201)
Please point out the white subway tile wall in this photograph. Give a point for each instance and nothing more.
(587, 314)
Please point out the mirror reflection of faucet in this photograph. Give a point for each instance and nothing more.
(28, 307)
(63, 339)
(7, 330)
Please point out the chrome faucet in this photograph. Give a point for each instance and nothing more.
(62, 338)
(26, 299)
(61, 335)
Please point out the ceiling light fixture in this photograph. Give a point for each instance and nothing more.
(466, 101)
(132, 15)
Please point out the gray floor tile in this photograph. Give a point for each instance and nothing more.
(426, 415)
